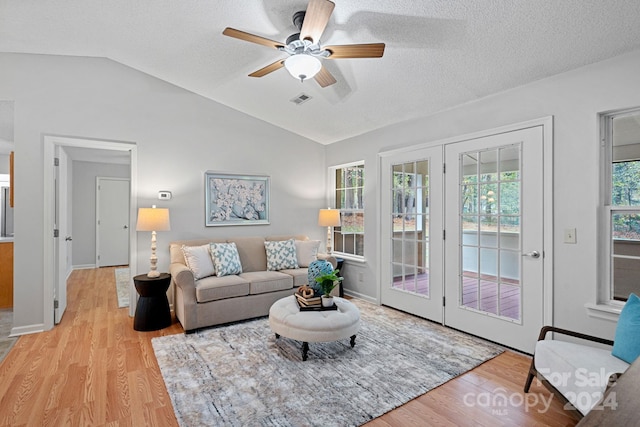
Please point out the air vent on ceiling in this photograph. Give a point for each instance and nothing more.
(300, 99)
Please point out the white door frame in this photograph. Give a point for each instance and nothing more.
(49, 144)
(547, 136)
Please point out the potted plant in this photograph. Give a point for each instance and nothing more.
(327, 282)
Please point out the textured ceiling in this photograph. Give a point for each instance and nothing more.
(439, 53)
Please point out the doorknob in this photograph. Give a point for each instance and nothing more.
(534, 254)
(125, 227)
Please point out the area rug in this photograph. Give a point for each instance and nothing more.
(6, 323)
(241, 375)
(123, 279)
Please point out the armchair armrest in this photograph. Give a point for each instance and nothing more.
(546, 329)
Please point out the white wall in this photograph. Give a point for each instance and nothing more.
(574, 99)
(83, 187)
(4, 163)
(179, 136)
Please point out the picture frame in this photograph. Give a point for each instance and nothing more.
(234, 199)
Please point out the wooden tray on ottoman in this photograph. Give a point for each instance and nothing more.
(315, 307)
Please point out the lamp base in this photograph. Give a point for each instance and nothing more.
(153, 274)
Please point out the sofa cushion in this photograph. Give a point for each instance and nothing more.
(216, 288)
(267, 281)
(198, 259)
(299, 276)
(225, 259)
(281, 255)
(626, 344)
(307, 251)
(579, 372)
(252, 254)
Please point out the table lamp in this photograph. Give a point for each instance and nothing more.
(153, 219)
(329, 218)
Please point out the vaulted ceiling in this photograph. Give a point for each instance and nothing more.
(439, 53)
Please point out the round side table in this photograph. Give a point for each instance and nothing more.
(152, 310)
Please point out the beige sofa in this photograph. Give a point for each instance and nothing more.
(214, 300)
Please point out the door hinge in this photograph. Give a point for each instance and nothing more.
(55, 303)
(444, 301)
(444, 234)
(56, 161)
(444, 168)
(56, 232)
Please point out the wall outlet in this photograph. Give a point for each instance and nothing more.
(360, 276)
(164, 195)
(570, 235)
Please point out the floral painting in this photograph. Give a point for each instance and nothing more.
(236, 199)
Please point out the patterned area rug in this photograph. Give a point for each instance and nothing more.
(240, 375)
(6, 323)
(122, 286)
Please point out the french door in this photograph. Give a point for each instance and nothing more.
(465, 247)
(412, 232)
(494, 247)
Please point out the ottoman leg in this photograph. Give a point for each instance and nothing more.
(305, 350)
(277, 336)
(353, 340)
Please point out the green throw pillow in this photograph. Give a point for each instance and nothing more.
(626, 345)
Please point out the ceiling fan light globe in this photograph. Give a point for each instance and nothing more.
(302, 66)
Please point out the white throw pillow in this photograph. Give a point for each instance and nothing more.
(281, 254)
(198, 259)
(226, 259)
(307, 251)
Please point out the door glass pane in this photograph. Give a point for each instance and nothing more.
(410, 225)
(490, 228)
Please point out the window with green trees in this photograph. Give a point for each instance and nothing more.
(621, 132)
(348, 238)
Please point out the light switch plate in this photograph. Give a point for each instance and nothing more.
(570, 235)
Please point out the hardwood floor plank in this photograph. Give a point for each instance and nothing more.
(94, 369)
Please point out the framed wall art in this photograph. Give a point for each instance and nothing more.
(236, 199)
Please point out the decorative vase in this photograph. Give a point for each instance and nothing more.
(316, 269)
(327, 301)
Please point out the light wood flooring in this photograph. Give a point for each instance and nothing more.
(93, 369)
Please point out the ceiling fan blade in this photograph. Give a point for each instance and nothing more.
(315, 19)
(369, 50)
(324, 77)
(268, 69)
(232, 32)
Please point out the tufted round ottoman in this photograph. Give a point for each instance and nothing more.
(286, 319)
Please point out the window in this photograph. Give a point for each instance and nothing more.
(348, 184)
(621, 137)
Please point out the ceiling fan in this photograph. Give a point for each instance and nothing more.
(305, 52)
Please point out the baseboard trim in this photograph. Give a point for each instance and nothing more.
(83, 266)
(361, 296)
(27, 330)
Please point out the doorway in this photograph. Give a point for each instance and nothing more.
(52, 284)
(469, 245)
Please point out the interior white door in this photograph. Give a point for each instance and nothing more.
(412, 267)
(62, 245)
(112, 222)
(494, 241)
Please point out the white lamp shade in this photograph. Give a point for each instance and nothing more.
(329, 218)
(153, 219)
(302, 66)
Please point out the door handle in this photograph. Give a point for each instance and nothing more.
(533, 254)
(125, 227)
(68, 239)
